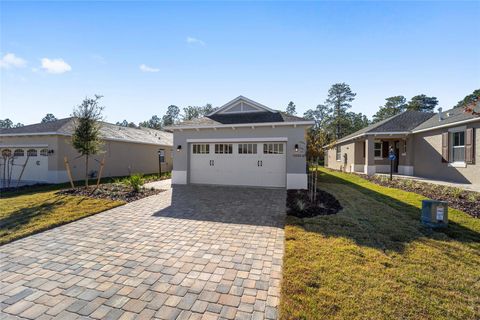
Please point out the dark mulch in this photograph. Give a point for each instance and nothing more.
(113, 191)
(299, 204)
(466, 201)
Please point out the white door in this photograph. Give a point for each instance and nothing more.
(243, 164)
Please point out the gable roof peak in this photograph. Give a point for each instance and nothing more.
(243, 105)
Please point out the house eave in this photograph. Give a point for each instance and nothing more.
(11, 135)
(243, 125)
(446, 125)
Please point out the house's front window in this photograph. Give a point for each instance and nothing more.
(338, 154)
(377, 149)
(458, 146)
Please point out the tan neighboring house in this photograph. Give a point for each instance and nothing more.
(125, 150)
(443, 146)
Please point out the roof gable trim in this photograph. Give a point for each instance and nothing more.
(241, 104)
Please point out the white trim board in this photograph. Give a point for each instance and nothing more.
(447, 125)
(23, 145)
(237, 99)
(280, 139)
(243, 125)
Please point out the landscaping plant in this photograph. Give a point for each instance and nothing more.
(86, 135)
(135, 181)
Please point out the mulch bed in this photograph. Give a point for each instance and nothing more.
(113, 191)
(466, 201)
(299, 204)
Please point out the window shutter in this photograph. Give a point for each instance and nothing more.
(445, 151)
(469, 147)
(385, 149)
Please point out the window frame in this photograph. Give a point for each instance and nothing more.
(453, 147)
(223, 148)
(273, 148)
(16, 154)
(247, 148)
(200, 148)
(338, 153)
(376, 149)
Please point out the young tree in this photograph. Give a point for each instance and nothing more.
(171, 116)
(19, 125)
(49, 118)
(86, 135)
(154, 123)
(339, 97)
(422, 103)
(393, 106)
(291, 109)
(208, 108)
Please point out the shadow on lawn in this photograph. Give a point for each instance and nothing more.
(377, 220)
(21, 217)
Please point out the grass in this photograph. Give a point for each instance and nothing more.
(374, 260)
(36, 210)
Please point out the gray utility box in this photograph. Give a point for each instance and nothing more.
(435, 213)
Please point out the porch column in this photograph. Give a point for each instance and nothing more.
(369, 167)
(406, 168)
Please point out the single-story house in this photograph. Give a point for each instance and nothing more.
(242, 143)
(45, 145)
(443, 146)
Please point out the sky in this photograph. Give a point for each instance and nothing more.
(144, 56)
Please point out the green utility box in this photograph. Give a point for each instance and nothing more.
(435, 213)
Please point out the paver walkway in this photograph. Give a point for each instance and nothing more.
(188, 253)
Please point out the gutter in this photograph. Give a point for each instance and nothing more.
(367, 134)
(244, 125)
(447, 125)
(69, 135)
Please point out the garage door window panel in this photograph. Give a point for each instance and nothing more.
(32, 153)
(273, 148)
(19, 153)
(44, 152)
(201, 149)
(223, 148)
(6, 153)
(247, 148)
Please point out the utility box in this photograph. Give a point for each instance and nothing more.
(435, 213)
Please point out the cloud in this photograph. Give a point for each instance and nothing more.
(56, 66)
(145, 68)
(192, 40)
(10, 60)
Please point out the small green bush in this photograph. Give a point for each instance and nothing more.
(456, 192)
(135, 181)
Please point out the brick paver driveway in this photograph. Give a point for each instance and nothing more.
(188, 253)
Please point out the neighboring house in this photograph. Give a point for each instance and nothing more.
(242, 143)
(443, 146)
(125, 150)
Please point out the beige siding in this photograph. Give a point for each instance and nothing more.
(121, 158)
(428, 158)
(347, 148)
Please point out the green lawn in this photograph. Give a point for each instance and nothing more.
(41, 208)
(374, 260)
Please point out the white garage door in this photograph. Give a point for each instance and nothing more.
(244, 164)
(32, 161)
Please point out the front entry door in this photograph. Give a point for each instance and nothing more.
(397, 155)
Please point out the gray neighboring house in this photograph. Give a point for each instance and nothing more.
(443, 146)
(125, 150)
(243, 143)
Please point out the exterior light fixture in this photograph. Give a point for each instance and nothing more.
(296, 147)
(179, 147)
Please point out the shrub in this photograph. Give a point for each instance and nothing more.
(301, 205)
(472, 197)
(456, 192)
(135, 181)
